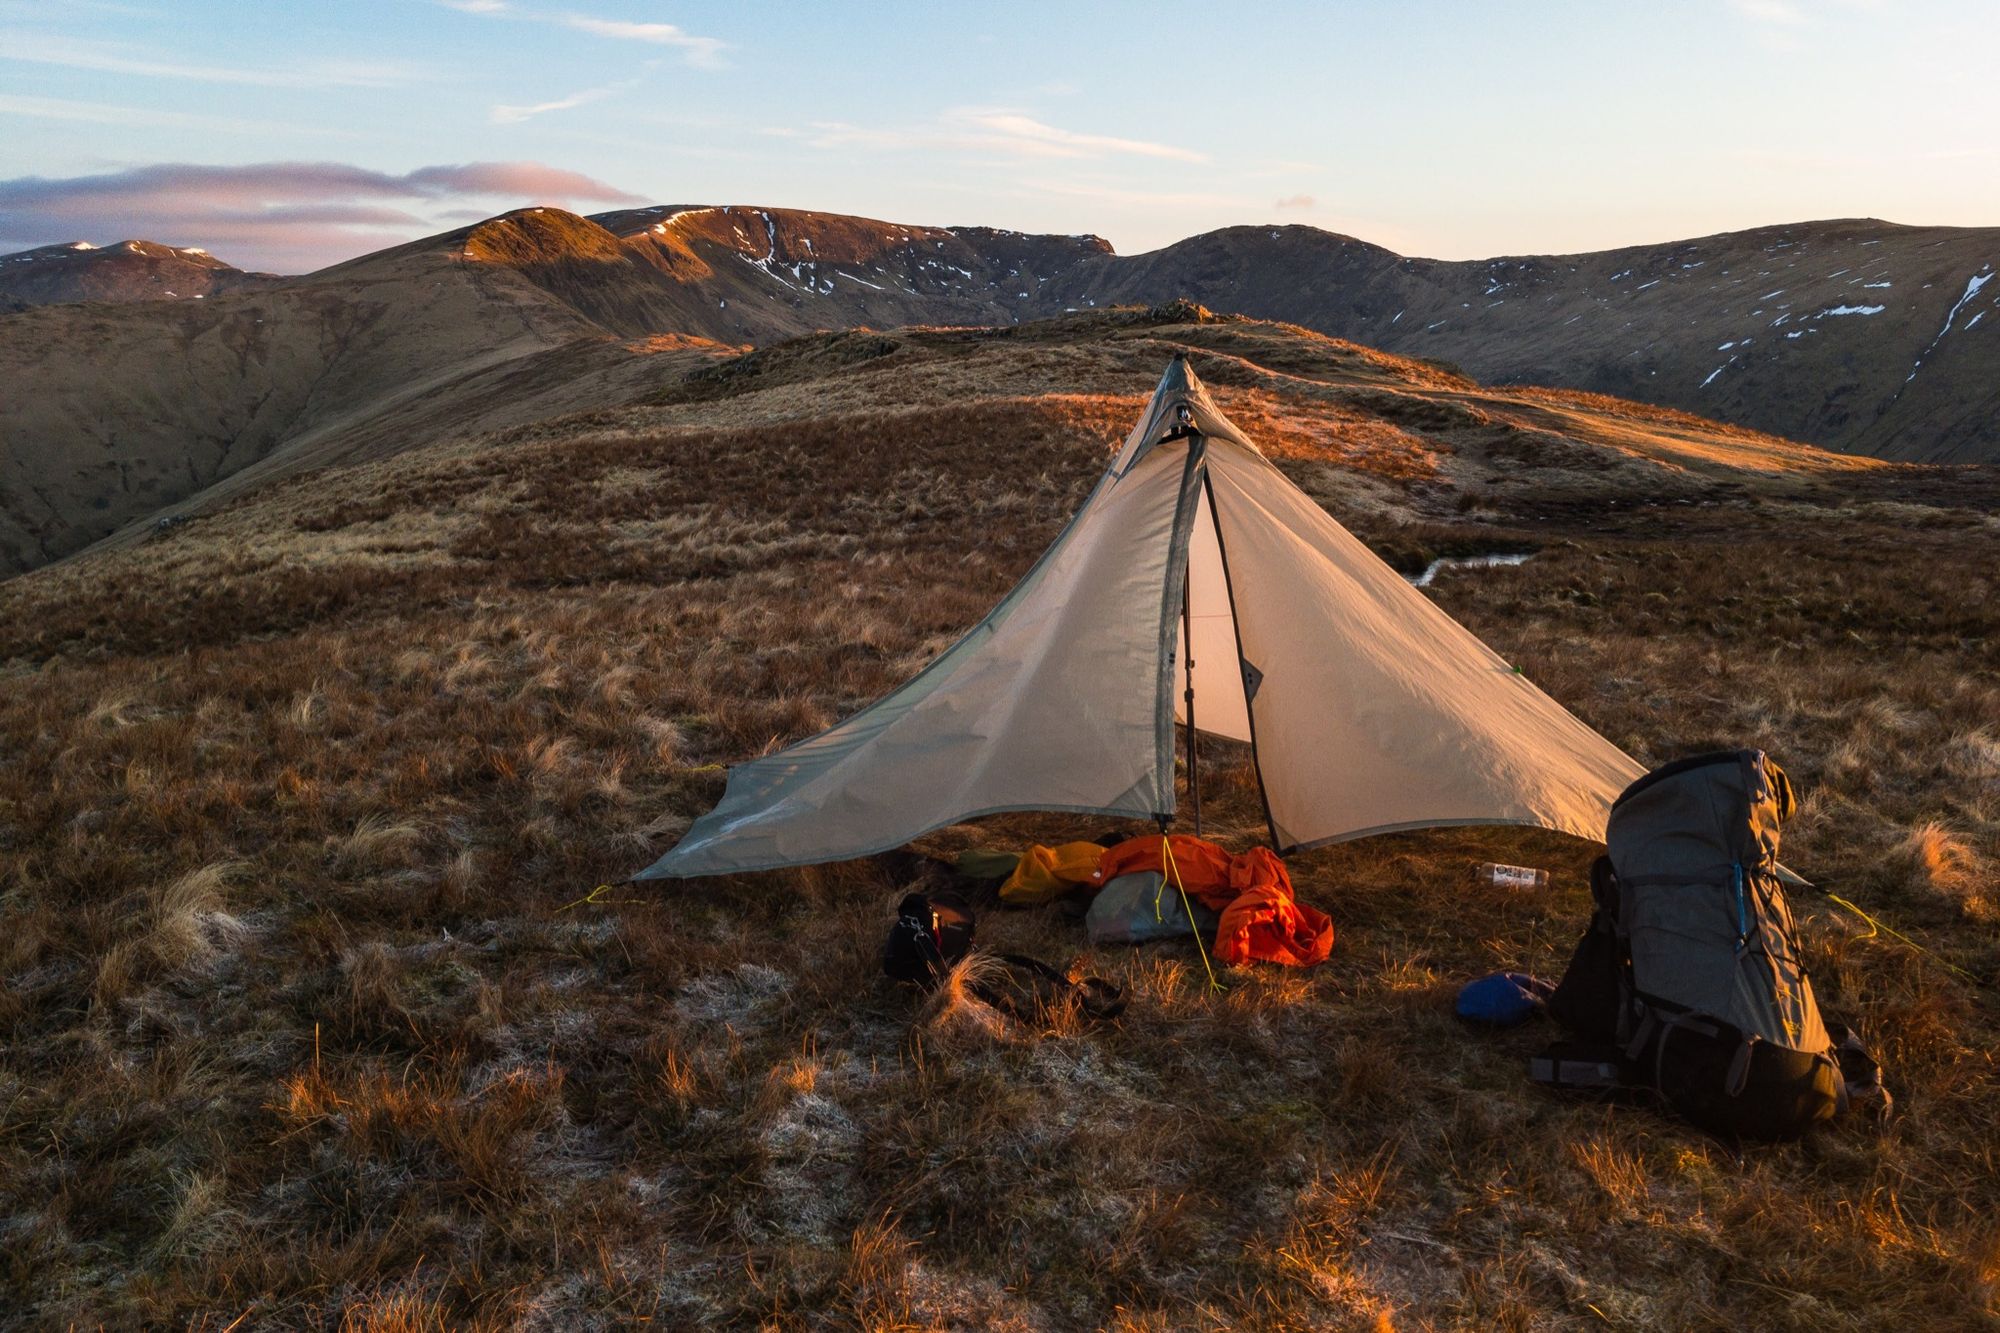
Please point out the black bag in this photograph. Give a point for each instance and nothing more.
(1590, 994)
(1691, 962)
(1862, 1089)
(932, 932)
(1735, 1083)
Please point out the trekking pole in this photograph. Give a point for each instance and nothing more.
(1187, 639)
(1184, 429)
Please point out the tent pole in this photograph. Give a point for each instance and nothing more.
(1249, 691)
(1187, 641)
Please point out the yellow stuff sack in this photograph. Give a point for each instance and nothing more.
(1046, 873)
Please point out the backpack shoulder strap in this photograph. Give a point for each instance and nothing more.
(1096, 997)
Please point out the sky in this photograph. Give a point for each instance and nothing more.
(290, 136)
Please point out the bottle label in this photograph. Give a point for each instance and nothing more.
(1514, 877)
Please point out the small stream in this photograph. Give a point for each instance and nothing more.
(1423, 580)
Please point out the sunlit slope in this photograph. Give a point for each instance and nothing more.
(114, 413)
(1401, 438)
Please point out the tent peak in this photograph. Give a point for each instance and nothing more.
(1179, 402)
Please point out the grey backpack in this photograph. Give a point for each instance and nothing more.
(1694, 939)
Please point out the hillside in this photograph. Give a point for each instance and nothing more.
(119, 413)
(120, 416)
(757, 274)
(307, 1017)
(1860, 336)
(128, 271)
(123, 416)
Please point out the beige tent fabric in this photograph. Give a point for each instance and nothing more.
(1219, 707)
(1378, 711)
(1050, 703)
(1369, 709)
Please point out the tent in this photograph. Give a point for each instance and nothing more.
(1366, 708)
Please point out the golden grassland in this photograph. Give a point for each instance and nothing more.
(303, 1027)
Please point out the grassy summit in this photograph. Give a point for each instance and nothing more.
(302, 1023)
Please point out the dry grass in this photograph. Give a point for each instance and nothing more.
(1950, 867)
(305, 1028)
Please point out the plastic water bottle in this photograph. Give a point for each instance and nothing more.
(1510, 877)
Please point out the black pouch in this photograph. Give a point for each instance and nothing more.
(932, 932)
(1860, 1074)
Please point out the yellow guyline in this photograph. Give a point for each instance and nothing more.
(1167, 860)
(1877, 928)
(595, 898)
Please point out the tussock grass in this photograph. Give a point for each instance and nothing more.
(305, 1026)
(375, 842)
(1948, 866)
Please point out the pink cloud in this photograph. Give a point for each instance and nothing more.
(286, 216)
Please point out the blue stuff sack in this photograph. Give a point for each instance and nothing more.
(1138, 907)
(1503, 999)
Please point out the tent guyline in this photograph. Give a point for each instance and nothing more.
(1365, 707)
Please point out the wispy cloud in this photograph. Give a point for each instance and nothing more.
(1295, 201)
(1785, 12)
(283, 215)
(698, 50)
(840, 134)
(1800, 13)
(695, 49)
(1782, 25)
(1103, 193)
(1276, 166)
(981, 129)
(514, 115)
(1027, 136)
(39, 49)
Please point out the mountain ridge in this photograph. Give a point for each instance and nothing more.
(125, 412)
(1746, 326)
(71, 272)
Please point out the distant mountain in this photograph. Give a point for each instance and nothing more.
(754, 274)
(128, 271)
(1860, 336)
